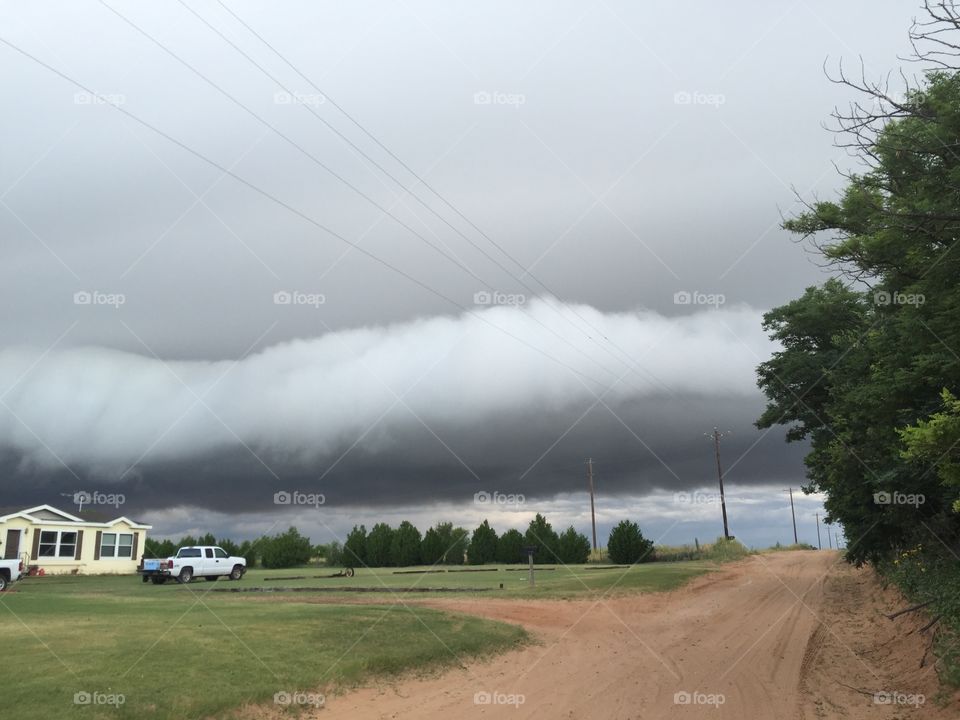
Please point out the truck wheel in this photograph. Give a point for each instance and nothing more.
(144, 578)
(185, 576)
(236, 573)
(158, 580)
(211, 578)
(3, 583)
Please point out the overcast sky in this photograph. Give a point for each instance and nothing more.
(583, 275)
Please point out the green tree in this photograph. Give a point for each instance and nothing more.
(334, 554)
(442, 545)
(573, 547)
(862, 360)
(288, 549)
(459, 541)
(510, 547)
(379, 543)
(432, 547)
(935, 443)
(483, 545)
(248, 551)
(158, 549)
(541, 535)
(355, 547)
(405, 550)
(229, 546)
(627, 546)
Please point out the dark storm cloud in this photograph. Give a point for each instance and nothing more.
(429, 410)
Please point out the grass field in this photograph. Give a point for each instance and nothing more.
(177, 651)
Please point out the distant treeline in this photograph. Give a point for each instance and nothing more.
(442, 544)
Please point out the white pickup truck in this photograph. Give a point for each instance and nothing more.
(10, 572)
(207, 561)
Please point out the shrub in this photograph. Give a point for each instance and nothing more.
(288, 549)
(405, 550)
(379, 543)
(627, 545)
(355, 547)
(510, 547)
(573, 547)
(483, 545)
(540, 534)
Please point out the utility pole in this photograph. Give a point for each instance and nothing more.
(829, 541)
(593, 515)
(723, 503)
(819, 544)
(794, 516)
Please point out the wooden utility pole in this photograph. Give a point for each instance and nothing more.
(593, 515)
(819, 544)
(723, 502)
(829, 541)
(794, 516)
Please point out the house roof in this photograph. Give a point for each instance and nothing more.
(49, 515)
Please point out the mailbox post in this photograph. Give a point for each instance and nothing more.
(530, 550)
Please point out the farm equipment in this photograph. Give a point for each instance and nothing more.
(346, 572)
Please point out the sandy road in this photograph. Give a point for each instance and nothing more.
(784, 635)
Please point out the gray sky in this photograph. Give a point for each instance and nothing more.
(620, 153)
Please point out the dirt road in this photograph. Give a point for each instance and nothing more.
(783, 635)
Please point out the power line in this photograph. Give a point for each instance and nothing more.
(630, 363)
(264, 193)
(335, 174)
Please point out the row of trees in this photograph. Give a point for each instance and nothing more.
(287, 549)
(442, 544)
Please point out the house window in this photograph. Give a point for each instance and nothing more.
(116, 545)
(58, 543)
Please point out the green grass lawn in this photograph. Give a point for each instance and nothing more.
(179, 651)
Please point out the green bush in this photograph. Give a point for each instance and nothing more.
(483, 545)
(627, 546)
(573, 547)
(510, 547)
(288, 549)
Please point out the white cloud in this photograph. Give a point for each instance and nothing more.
(108, 409)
